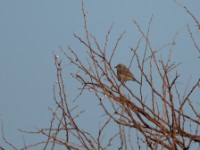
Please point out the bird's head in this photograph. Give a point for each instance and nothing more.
(119, 66)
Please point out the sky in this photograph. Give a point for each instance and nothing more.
(31, 31)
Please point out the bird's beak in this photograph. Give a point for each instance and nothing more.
(115, 66)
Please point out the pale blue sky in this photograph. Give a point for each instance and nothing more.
(30, 31)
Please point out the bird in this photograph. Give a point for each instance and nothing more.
(124, 74)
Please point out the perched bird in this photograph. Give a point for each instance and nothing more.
(124, 74)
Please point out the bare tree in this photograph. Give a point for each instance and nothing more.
(156, 116)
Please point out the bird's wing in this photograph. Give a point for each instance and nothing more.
(127, 73)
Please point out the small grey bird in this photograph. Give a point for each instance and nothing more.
(124, 74)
